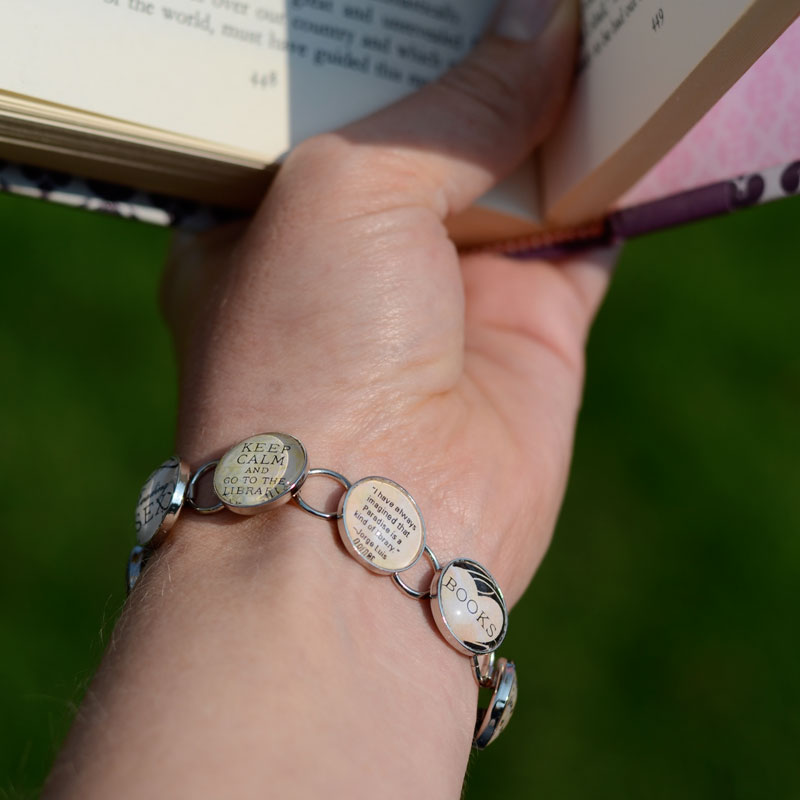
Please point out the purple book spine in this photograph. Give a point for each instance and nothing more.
(711, 200)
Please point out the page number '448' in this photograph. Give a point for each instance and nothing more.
(264, 80)
(658, 19)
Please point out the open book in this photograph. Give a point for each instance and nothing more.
(199, 98)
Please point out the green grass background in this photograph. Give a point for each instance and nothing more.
(658, 645)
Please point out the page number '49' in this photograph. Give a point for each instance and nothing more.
(658, 19)
(264, 80)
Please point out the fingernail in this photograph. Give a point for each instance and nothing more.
(524, 20)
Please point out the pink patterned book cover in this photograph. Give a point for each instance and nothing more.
(754, 126)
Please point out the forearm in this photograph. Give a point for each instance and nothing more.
(256, 656)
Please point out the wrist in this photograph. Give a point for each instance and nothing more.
(295, 571)
(265, 627)
(288, 620)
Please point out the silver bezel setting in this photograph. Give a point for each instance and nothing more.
(347, 536)
(493, 720)
(136, 561)
(177, 472)
(467, 648)
(289, 483)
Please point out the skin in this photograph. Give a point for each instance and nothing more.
(255, 658)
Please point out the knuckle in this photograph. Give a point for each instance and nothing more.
(487, 92)
(315, 152)
(363, 175)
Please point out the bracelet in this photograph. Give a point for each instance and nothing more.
(381, 527)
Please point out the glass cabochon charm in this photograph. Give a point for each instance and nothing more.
(492, 720)
(160, 501)
(381, 525)
(468, 607)
(261, 471)
(136, 562)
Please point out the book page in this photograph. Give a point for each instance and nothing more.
(254, 75)
(645, 62)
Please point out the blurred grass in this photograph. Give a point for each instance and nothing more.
(658, 645)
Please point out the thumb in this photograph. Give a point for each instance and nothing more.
(462, 133)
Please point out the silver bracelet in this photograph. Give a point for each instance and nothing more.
(380, 525)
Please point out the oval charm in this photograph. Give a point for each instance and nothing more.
(492, 720)
(136, 562)
(160, 501)
(381, 525)
(468, 607)
(261, 471)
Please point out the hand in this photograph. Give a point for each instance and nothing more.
(255, 657)
(344, 315)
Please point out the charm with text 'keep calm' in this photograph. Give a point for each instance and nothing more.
(260, 472)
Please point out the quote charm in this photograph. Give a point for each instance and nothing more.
(381, 525)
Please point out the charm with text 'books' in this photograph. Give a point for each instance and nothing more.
(468, 607)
